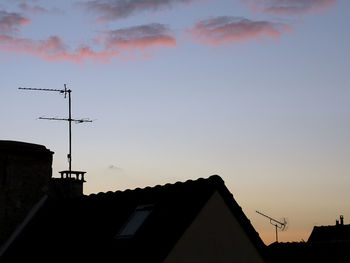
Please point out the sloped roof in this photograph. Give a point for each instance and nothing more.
(85, 228)
(330, 233)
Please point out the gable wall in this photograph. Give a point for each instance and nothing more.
(214, 236)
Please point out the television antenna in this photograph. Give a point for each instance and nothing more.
(277, 224)
(64, 91)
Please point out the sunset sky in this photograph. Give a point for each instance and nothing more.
(256, 91)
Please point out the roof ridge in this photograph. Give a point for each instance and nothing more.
(216, 179)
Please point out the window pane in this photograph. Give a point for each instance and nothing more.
(135, 221)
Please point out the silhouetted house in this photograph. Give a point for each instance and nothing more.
(325, 244)
(194, 221)
(327, 234)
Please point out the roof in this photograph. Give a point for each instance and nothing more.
(330, 233)
(16, 146)
(85, 228)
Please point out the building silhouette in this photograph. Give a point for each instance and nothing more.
(43, 219)
(325, 244)
(49, 218)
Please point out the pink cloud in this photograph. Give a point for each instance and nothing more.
(221, 30)
(11, 22)
(36, 9)
(139, 37)
(116, 9)
(85, 52)
(52, 49)
(290, 7)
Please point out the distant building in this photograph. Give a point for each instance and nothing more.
(194, 221)
(331, 234)
(325, 244)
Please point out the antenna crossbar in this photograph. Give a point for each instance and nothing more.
(53, 119)
(64, 119)
(271, 219)
(59, 90)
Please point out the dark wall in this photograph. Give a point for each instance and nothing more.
(25, 171)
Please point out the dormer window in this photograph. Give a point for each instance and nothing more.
(134, 222)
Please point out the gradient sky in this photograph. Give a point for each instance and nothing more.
(256, 91)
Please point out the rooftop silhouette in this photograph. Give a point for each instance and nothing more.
(194, 221)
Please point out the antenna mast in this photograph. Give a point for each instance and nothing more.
(274, 222)
(64, 91)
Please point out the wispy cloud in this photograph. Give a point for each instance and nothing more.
(116, 9)
(49, 49)
(52, 45)
(225, 29)
(114, 167)
(290, 7)
(139, 37)
(36, 9)
(11, 22)
(54, 48)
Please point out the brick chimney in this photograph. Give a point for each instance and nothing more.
(25, 172)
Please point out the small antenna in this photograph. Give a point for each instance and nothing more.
(64, 91)
(274, 222)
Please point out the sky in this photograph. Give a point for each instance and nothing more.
(256, 91)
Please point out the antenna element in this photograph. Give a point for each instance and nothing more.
(274, 222)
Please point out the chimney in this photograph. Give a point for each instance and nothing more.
(25, 171)
(69, 185)
(341, 220)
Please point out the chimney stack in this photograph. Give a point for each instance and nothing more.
(25, 172)
(70, 185)
(341, 220)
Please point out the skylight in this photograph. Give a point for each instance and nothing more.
(135, 221)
